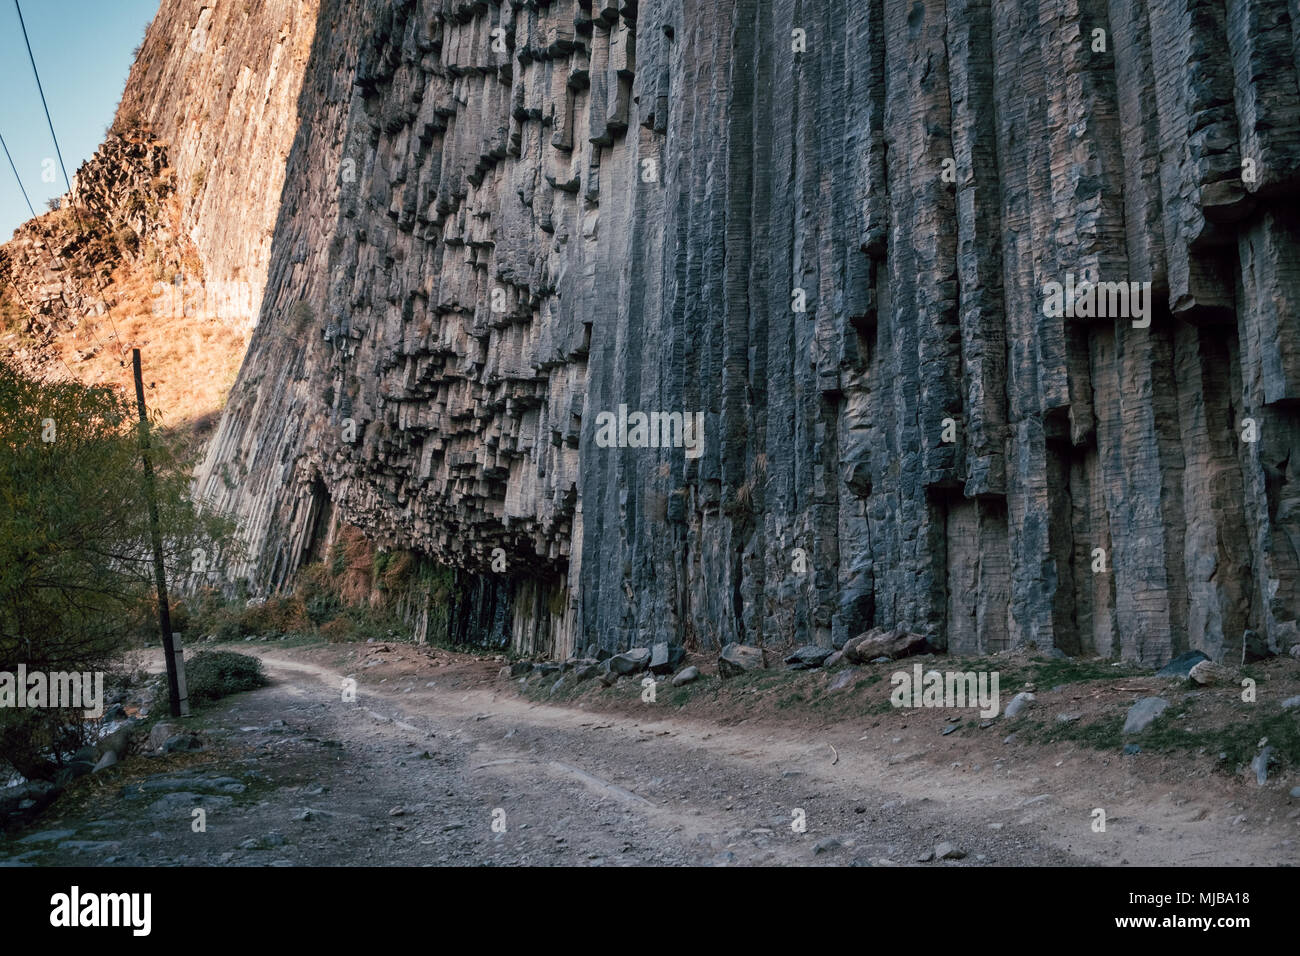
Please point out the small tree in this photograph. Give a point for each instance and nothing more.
(76, 562)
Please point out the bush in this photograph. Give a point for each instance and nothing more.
(129, 121)
(211, 675)
(338, 630)
(301, 317)
(76, 561)
(275, 615)
(12, 315)
(126, 239)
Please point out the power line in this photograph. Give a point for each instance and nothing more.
(17, 177)
(87, 324)
(66, 181)
(32, 316)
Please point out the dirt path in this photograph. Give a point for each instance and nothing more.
(425, 761)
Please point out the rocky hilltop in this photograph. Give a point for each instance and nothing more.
(164, 239)
(989, 311)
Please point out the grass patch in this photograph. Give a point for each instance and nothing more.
(1101, 734)
(1238, 740)
(1232, 745)
(1048, 672)
(211, 675)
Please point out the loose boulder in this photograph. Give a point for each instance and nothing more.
(809, 656)
(587, 669)
(948, 851)
(1141, 714)
(160, 734)
(1181, 666)
(665, 658)
(686, 676)
(1263, 761)
(630, 662)
(182, 743)
(880, 642)
(736, 659)
(105, 761)
(1018, 704)
(1206, 674)
(1257, 648)
(843, 679)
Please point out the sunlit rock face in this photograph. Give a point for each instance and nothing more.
(184, 192)
(988, 311)
(219, 84)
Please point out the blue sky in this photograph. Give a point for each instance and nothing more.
(83, 50)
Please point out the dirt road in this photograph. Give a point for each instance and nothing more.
(428, 767)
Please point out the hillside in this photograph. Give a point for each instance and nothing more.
(163, 242)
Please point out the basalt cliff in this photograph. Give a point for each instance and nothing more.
(989, 309)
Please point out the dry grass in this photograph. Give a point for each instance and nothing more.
(190, 356)
(352, 560)
(189, 360)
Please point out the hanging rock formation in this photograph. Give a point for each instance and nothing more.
(862, 238)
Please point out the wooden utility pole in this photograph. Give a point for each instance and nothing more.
(160, 578)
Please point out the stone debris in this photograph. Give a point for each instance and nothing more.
(736, 659)
(1143, 713)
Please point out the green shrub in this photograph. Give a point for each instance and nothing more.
(338, 559)
(76, 561)
(211, 675)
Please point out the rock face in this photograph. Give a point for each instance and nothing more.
(862, 240)
(55, 266)
(186, 185)
(219, 82)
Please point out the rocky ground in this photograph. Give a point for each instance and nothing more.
(439, 760)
